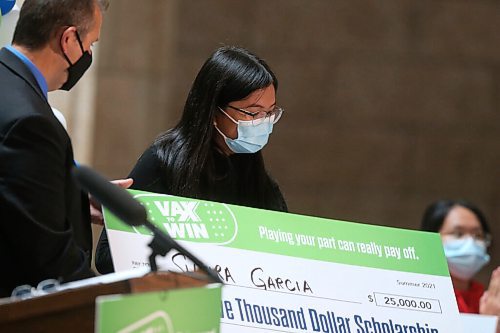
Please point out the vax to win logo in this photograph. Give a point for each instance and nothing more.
(182, 210)
(185, 219)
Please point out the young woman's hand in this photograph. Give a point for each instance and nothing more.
(489, 303)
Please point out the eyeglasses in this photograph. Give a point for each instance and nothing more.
(478, 237)
(275, 114)
(44, 287)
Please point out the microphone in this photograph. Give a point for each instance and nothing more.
(116, 199)
(130, 211)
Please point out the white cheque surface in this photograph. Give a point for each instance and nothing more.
(269, 292)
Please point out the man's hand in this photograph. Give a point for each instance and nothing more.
(96, 208)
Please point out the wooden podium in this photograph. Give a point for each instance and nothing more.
(73, 310)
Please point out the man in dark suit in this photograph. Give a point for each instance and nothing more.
(44, 217)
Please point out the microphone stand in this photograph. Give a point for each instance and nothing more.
(157, 249)
(163, 244)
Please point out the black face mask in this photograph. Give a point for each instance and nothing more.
(76, 70)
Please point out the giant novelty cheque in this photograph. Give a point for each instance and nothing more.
(292, 273)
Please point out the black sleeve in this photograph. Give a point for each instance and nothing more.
(34, 224)
(103, 260)
(279, 198)
(148, 173)
(147, 176)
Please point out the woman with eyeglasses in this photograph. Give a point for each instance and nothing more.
(214, 152)
(466, 236)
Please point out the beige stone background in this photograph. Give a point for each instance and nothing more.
(390, 104)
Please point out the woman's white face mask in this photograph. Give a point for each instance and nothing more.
(465, 256)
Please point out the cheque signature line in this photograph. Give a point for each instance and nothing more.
(284, 292)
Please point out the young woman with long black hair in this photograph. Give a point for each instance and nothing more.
(214, 152)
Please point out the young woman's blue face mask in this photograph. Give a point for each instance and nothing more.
(252, 134)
